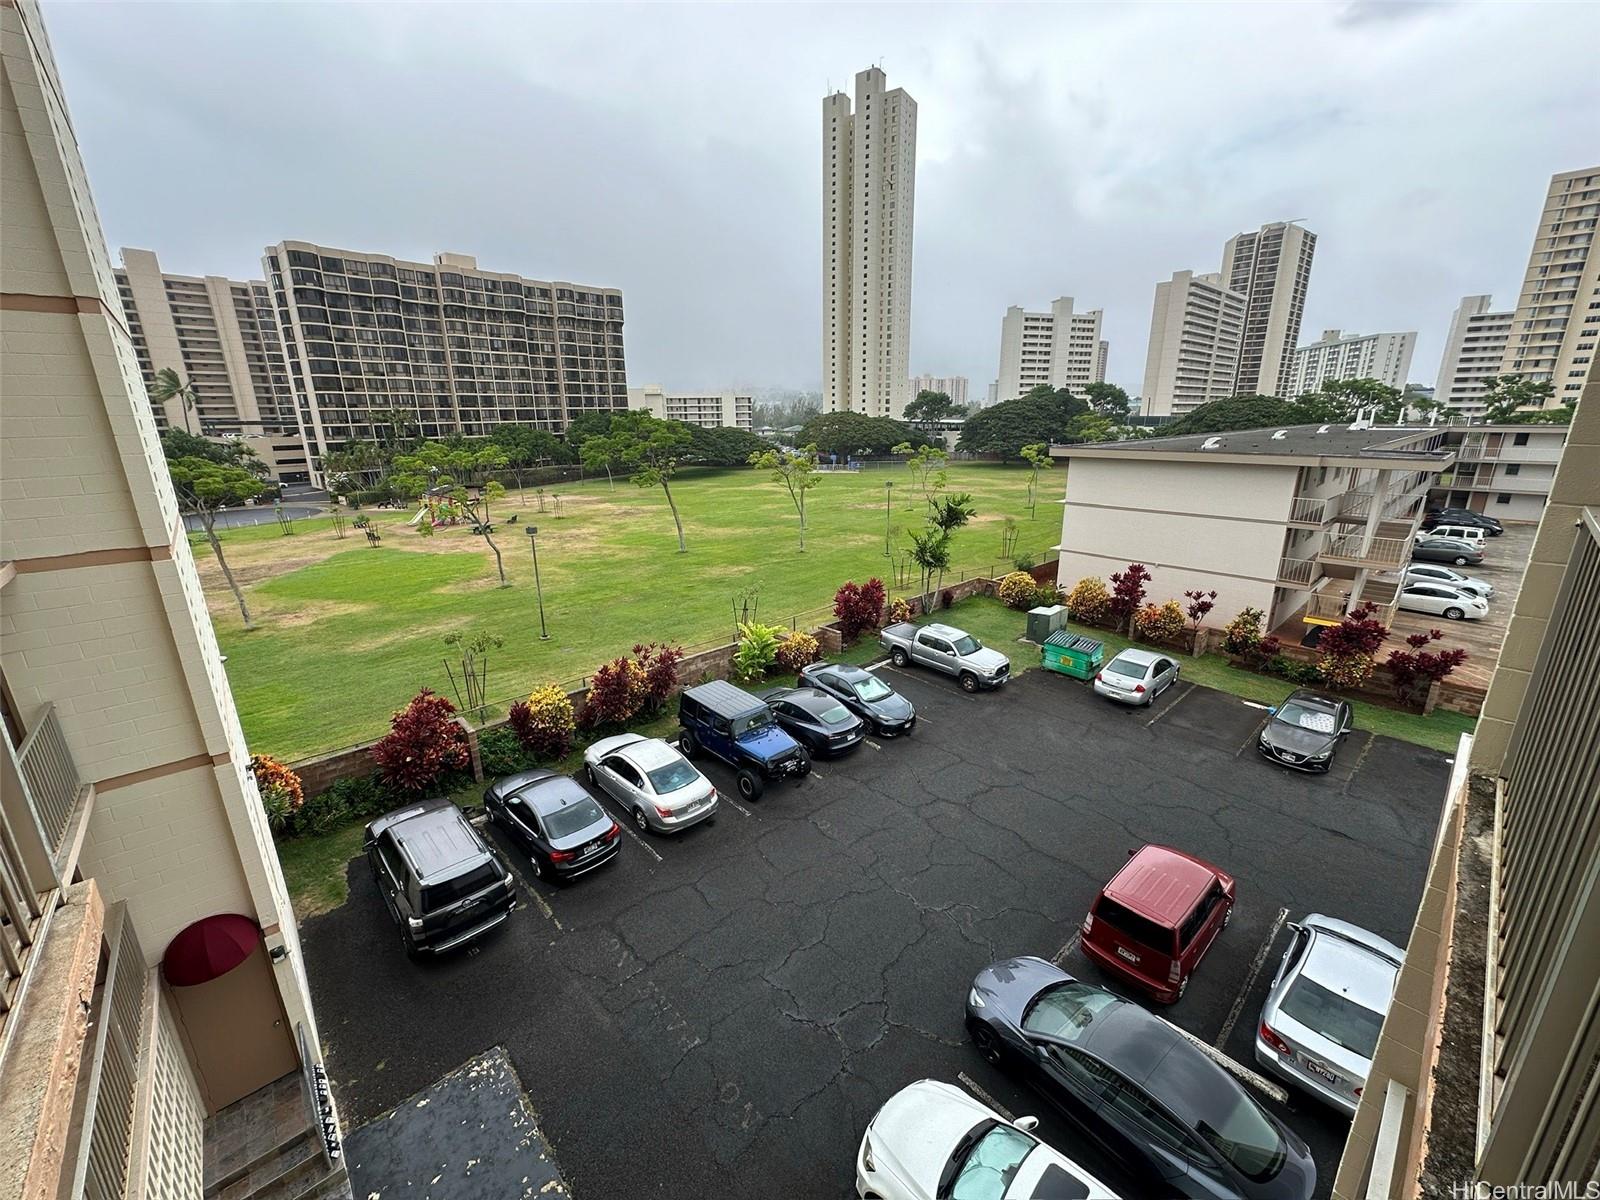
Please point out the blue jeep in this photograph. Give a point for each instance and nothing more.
(738, 728)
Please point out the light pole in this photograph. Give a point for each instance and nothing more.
(533, 544)
(888, 490)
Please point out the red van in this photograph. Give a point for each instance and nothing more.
(1156, 919)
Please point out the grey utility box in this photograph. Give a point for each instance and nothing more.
(1042, 622)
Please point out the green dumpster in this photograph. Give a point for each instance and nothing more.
(1072, 654)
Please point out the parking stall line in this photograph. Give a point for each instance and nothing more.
(1361, 761)
(737, 807)
(1072, 944)
(872, 743)
(984, 1096)
(648, 848)
(1250, 977)
(1237, 1069)
(1171, 706)
(1255, 735)
(540, 902)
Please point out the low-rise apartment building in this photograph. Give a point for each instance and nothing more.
(710, 410)
(1303, 523)
(132, 827)
(1337, 355)
(1502, 471)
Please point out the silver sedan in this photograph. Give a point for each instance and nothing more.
(659, 788)
(1320, 1023)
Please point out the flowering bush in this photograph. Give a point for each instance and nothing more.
(1161, 623)
(1089, 602)
(899, 611)
(757, 651)
(1017, 590)
(281, 793)
(858, 607)
(798, 650)
(1243, 633)
(1127, 593)
(659, 663)
(617, 691)
(544, 722)
(1347, 649)
(1415, 670)
(422, 744)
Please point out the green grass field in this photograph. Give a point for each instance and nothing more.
(347, 633)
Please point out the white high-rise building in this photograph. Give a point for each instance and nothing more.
(954, 386)
(1473, 351)
(869, 172)
(1062, 348)
(1271, 268)
(1385, 357)
(1195, 329)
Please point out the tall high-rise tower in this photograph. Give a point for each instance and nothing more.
(1271, 269)
(869, 175)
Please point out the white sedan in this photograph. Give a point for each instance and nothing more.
(659, 788)
(931, 1133)
(1443, 600)
(1421, 572)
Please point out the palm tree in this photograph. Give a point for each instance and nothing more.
(171, 386)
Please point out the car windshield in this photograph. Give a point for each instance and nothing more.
(1127, 668)
(872, 689)
(1244, 1136)
(1301, 716)
(1067, 1010)
(967, 644)
(751, 722)
(672, 776)
(1342, 1021)
(989, 1165)
(838, 714)
(565, 822)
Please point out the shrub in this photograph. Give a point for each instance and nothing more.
(1024, 562)
(798, 650)
(1294, 670)
(1047, 595)
(616, 692)
(1200, 604)
(1347, 649)
(422, 744)
(1243, 633)
(281, 793)
(501, 752)
(543, 724)
(1415, 670)
(1017, 590)
(658, 662)
(1161, 623)
(345, 800)
(858, 607)
(1127, 593)
(899, 611)
(757, 651)
(1088, 601)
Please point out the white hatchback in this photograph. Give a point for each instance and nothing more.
(1443, 600)
(931, 1133)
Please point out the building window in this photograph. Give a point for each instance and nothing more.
(1514, 469)
(1520, 439)
(1503, 498)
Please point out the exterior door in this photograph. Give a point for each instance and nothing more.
(237, 1029)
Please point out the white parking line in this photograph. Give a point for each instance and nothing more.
(1072, 944)
(1253, 704)
(1250, 976)
(648, 848)
(984, 1096)
(1237, 1069)
(539, 900)
(1171, 706)
(737, 807)
(1255, 736)
(872, 743)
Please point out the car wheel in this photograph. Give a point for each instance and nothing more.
(1459, 561)
(988, 1045)
(1183, 986)
(897, 656)
(687, 745)
(751, 785)
(969, 682)
(408, 945)
(1227, 916)
(533, 865)
(1455, 614)
(640, 820)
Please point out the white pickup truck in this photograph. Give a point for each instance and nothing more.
(947, 649)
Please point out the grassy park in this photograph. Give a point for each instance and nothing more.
(347, 632)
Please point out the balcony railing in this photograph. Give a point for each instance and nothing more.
(1478, 447)
(1347, 549)
(1308, 510)
(1297, 571)
(51, 775)
(1331, 604)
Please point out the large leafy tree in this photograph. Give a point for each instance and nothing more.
(1504, 395)
(526, 447)
(848, 433)
(1236, 412)
(434, 465)
(1042, 415)
(1108, 400)
(170, 385)
(204, 486)
(648, 447)
(796, 470)
(1345, 399)
(930, 406)
(721, 446)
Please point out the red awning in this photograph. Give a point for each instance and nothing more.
(209, 948)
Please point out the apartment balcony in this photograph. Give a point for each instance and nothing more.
(1311, 512)
(1389, 548)
(1297, 572)
(1331, 602)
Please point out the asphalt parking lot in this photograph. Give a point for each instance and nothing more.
(722, 1013)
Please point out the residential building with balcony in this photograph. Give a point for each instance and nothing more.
(1303, 523)
(1271, 269)
(1193, 357)
(454, 348)
(131, 831)
(1502, 471)
(707, 409)
(1473, 350)
(1483, 1080)
(1061, 348)
(1337, 355)
(1556, 326)
(220, 335)
(954, 386)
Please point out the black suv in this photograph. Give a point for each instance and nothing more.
(1462, 516)
(736, 727)
(441, 882)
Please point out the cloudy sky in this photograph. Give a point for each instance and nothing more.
(674, 152)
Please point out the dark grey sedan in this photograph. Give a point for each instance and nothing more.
(564, 830)
(1305, 730)
(885, 710)
(1134, 1084)
(815, 719)
(1447, 550)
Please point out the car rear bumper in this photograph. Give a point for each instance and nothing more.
(1112, 692)
(573, 870)
(673, 824)
(454, 939)
(1273, 1061)
(1161, 993)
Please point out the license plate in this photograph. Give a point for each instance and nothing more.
(1322, 1070)
(1123, 952)
(592, 848)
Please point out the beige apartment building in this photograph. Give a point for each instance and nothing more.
(454, 348)
(954, 386)
(1484, 1075)
(1193, 355)
(130, 818)
(1502, 471)
(1556, 325)
(1271, 269)
(221, 335)
(1337, 355)
(869, 179)
(1473, 350)
(1303, 523)
(1061, 348)
(710, 410)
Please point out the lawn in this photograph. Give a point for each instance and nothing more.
(347, 633)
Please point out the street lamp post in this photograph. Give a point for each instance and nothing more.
(533, 544)
(888, 490)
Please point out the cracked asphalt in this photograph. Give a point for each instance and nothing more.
(727, 1020)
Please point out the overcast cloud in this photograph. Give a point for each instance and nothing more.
(674, 152)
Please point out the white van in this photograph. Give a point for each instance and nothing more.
(1470, 534)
